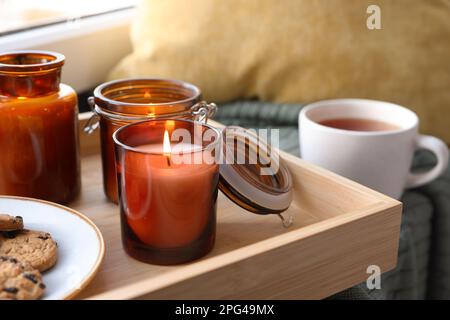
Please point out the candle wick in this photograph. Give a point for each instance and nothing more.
(168, 160)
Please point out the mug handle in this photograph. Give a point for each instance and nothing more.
(439, 148)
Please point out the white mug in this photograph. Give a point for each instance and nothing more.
(380, 160)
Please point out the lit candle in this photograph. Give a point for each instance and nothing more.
(168, 208)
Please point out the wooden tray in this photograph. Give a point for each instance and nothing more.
(340, 229)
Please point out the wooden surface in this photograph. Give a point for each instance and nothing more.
(340, 229)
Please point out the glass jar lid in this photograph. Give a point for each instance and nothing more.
(253, 175)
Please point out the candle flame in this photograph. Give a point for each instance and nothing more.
(166, 145)
(170, 124)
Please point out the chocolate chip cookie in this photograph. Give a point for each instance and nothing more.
(10, 223)
(34, 247)
(19, 281)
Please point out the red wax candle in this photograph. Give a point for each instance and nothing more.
(172, 207)
(168, 206)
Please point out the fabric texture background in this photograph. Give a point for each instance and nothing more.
(300, 51)
(423, 268)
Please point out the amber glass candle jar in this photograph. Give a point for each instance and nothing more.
(169, 173)
(121, 102)
(168, 189)
(38, 128)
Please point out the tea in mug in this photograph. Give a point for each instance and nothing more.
(359, 124)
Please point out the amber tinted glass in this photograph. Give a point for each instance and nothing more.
(146, 97)
(38, 128)
(30, 73)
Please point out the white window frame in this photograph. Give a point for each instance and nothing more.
(92, 46)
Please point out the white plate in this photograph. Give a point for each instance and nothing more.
(80, 244)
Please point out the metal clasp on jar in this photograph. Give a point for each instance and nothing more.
(94, 121)
(201, 111)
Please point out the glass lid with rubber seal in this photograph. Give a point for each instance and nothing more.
(253, 175)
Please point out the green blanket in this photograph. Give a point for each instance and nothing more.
(423, 269)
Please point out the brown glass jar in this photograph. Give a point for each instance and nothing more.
(38, 128)
(121, 102)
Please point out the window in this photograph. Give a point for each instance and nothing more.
(92, 34)
(21, 15)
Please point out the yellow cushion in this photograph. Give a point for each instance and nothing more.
(300, 51)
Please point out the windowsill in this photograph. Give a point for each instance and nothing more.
(92, 46)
